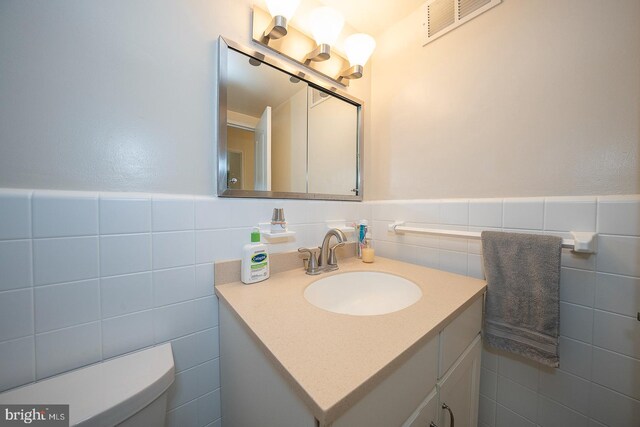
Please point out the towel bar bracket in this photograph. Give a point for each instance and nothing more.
(582, 242)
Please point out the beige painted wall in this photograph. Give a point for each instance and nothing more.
(535, 97)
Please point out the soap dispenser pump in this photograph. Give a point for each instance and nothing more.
(255, 260)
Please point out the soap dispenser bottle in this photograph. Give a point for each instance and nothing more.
(255, 260)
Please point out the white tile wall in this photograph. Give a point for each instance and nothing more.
(617, 333)
(617, 294)
(598, 380)
(576, 357)
(65, 349)
(489, 383)
(567, 389)
(126, 294)
(570, 214)
(173, 249)
(578, 286)
(121, 214)
(553, 414)
(615, 214)
(619, 255)
(15, 264)
(507, 418)
(15, 211)
(487, 411)
(65, 260)
(485, 212)
(127, 333)
(455, 212)
(122, 254)
(526, 213)
(67, 304)
(518, 398)
(171, 214)
(612, 408)
(174, 285)
(86, 277)
(576, 322)
(521, 371)
(16, 314)
(64, 214)
(18, 362)
(617, 372)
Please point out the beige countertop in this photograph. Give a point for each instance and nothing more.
(332, 360)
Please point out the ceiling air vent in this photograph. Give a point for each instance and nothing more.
(442, 16)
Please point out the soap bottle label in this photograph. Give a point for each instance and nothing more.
(259, 265)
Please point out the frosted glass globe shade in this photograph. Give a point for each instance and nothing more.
(359, 48)
(284, 8)
(326, 25)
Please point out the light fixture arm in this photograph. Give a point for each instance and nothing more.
(355, 72)
(276, 29)
(322, 52)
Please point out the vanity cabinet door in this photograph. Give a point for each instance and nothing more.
(427, 412)
(459, 389)
(458, 335)
(396, 398)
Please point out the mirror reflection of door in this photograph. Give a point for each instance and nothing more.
(263, 152)
(240, 148)
(274, 106)
(234, 170)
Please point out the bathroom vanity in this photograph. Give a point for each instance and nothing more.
(286, 362)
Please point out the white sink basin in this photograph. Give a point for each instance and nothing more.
(362, 293)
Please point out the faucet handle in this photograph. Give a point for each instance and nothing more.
(333, 259)
(312, 264)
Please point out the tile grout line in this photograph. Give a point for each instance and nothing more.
(33, 287)
(195, 248)
(153, 284)
(100, 281)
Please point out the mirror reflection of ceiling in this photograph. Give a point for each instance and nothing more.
(255, 87)
(369, 16)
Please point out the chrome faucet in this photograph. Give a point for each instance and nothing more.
(327, 259)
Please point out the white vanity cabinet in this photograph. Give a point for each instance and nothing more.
(457, 390)
(427, 413)
(445, 369)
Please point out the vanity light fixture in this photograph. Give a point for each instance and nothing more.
(359, 48)
(281, 12)
(316, 52)
(326, 25)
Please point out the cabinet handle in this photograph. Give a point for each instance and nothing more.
(445, 406)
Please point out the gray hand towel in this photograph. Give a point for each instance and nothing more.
(522, 312)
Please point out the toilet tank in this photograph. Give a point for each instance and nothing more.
(129, 389)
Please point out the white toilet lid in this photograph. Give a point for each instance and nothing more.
(107, 393)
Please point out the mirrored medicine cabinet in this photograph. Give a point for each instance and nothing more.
(283, 133)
